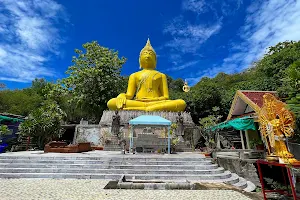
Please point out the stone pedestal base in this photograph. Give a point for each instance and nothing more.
(101, 135)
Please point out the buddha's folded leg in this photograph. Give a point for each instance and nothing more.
(135, 108)
(112, 104)
(169, 105)
(144, 104)
(134, 103)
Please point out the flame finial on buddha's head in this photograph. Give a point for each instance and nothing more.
(148, 47)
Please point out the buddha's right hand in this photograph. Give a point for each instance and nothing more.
(121, 100)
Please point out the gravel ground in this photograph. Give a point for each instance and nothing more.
(46, 189)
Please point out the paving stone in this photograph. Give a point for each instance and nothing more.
(51, 189)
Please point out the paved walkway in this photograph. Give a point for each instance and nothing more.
(52, 189)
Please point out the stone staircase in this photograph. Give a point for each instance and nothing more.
(112, 165)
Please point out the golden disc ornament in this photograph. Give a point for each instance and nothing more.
(186, 87)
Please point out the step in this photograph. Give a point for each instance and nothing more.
(242, 184)
(205, 162)
(105, 166)
(179, 176)
(105, 158)
(232, 179)
(204, 177)
(112, 171)
(250, 187)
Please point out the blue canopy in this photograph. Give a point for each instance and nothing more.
(150, 120)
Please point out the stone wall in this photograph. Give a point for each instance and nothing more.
(127, 115)
(88, 133)
(243, 168)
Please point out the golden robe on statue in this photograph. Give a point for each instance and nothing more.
(147, 89)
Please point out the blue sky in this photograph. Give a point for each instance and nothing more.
(192, 38)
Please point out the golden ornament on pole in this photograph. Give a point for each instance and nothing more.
(186, 87)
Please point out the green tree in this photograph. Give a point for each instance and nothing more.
(210, 120)
(20, 102)
(278, 59)
(93, 79)
(206, 123)
(291, 87)
(290, 91)
(41, 86)
(44, 123)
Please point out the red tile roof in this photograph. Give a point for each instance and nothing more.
(256, 97)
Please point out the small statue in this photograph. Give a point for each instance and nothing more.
(147, 89)
(180, 127)
(115, 128)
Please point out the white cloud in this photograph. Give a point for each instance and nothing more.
(229, 7)
(184, 66)
(192, 81)
(197, 6)
(175, 58)
(187, 37)
(266, 24)
(30, 35)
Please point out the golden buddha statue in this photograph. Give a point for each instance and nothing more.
(147, 89)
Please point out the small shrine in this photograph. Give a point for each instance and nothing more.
(150, 139)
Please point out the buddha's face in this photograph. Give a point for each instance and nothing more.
(148, 60)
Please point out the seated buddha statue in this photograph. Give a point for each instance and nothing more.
(147, 89)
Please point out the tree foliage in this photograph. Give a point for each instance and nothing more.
(19, 102)
(93, 79)
(44, 123)
(3, 129)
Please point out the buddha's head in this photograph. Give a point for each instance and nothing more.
(147, 57)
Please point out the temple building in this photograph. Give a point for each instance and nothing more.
(245, 107)
(243, 117)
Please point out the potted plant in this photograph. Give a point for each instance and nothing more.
(257, 144)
